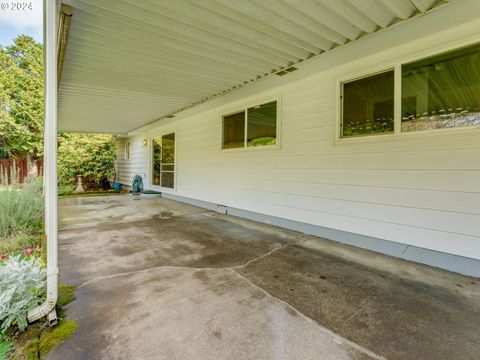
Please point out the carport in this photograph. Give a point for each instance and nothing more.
(160, 279)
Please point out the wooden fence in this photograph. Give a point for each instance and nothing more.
(21, 167)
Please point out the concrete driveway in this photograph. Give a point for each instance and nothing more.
(158, 279)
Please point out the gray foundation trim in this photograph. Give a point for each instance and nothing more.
(450, 262)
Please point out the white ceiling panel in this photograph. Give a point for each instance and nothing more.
(131, 62)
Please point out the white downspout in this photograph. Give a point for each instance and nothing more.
(50, 169)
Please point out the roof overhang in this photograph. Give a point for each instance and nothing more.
(130, 63)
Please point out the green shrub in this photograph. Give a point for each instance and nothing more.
(65, 190)
(262, 141)
(88, 155)
(6, 347)
(18, 242)
(22, 286)
(21, 208)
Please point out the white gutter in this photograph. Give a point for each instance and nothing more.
(50, 168)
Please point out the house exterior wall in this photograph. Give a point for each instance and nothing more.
(419, 189)
(137, 164)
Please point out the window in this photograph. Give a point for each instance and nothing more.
(128, 150)
(254, 126)
(368, 105)
(441, 91)
(163, 161)
(234, 130)
(262, 124)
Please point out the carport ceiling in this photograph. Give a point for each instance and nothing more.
(130, 62)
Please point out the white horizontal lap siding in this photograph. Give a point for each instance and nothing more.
(420, 190)
(137, 164)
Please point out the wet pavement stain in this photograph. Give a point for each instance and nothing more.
(392, 316)
(194, 240)
(428, 315)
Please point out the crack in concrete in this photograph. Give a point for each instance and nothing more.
(338, 338)
(103, 277)
(404, 250)
(112, 276)
(264, 255)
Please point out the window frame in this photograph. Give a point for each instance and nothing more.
(155, 135)
(361, 77)
(396, 66)
(244, 108)
(223, 116)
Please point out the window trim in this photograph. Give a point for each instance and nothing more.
(152, 136)
(396, 65)
(365, 76)
(244, 108)
(244, 128)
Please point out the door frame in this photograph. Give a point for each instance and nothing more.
(151, 137)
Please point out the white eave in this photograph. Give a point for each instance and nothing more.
(131, 62)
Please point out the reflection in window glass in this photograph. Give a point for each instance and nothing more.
(368, 105)
(168, 147)
(234, 131)
(442, 91)
(156, 160)
(262, 124)
(163, 161)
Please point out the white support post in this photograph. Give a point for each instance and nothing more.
(50, 169)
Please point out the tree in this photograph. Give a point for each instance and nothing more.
(21, 98)
(22, 118)
(90, 156)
